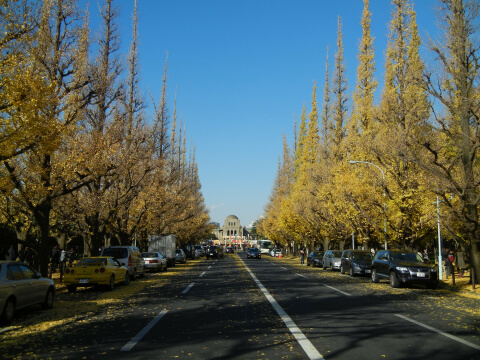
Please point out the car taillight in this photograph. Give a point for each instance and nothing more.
(96, 270)
(130, 260)
(69, 271)
(102, 270)
(153, 261)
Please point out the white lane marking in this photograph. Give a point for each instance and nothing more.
(306, 345)
(208, 268)
(340, 291)
(203, 273)
(301, 275)
(283, 268)
(142, 333)
(188, 288)
(465, 342)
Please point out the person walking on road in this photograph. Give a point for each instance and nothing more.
(303, 251)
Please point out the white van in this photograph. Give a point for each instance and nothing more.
(128, 256)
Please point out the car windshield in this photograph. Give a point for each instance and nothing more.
(407, 256)
(118, 253)
(366, 256)
(92, 262)
(337, 254)
(149, 255)
(253, 250)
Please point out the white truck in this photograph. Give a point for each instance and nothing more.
(165, 244)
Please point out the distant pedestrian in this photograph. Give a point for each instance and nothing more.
(447, 263)
(460, 263)
(55, 257)
(303, 251)
(22, 253)
(12, 254)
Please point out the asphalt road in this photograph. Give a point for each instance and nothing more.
(234, 308)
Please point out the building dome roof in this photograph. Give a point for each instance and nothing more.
(231, 217)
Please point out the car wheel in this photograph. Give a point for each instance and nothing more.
(48, 302)
(8, 311)
(375, 277)
(342, 270)
(71, 288)
(331, 267)
(308, 264)
(323, 266)
(394, 283)
(351, 272)
(127, 279)
(111, 286)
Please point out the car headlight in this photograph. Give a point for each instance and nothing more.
(433, 270)
(401, 268)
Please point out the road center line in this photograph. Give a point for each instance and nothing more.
(453, 337)
(306, 345)
(188, 288)
(203, 273)
(142, 333)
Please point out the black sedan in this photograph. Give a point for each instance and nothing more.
(315, 258)
(254, 253)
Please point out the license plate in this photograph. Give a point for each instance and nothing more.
(368, 271)
(420, 274)
(83, 281)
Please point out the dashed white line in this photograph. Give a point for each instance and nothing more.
(301, 275)
(465, 342)
(188, 288)
(142, 333)
(303, 341)
(340, 291)
(203, 273)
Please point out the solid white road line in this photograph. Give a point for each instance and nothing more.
(307, 346)
(188, 288)
(465, 342)
(142, 333)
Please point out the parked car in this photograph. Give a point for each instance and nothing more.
(403, 267)
(229, 250)
(154, 261)
(21, 287)
(180, 256)
(96, 271)
(214, 251)
(276, 252)
(128, 256)
(315, 258)
(200, 249)
(332, 259)
(356, 262)
(254, 253)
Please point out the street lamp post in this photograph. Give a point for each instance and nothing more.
(384, 203)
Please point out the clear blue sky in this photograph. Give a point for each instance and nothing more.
(242, 70)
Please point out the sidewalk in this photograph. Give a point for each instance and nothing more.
(461, 284)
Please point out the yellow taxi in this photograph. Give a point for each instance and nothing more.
(94, 271)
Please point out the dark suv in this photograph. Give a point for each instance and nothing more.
(214, 251)
(403, 267)
(356, 262)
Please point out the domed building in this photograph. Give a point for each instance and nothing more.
(231, 232)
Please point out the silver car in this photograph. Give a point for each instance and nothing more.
(154, 261)
(332, 259)
(180, 256)
(21, 287)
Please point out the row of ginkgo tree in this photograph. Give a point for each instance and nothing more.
(372, 174)
(81, 153)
